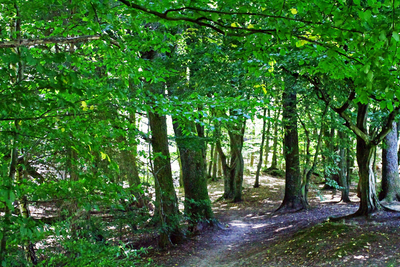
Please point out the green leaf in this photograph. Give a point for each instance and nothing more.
(395, 36)
(397, 94)
(367, 14)
(382, 104)
(370, 76)
(214, 16)
(338, 22)
(390, 105)
(12, 196)
(366, 68)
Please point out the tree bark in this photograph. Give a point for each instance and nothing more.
(215, 164)
(6, 223)
(390, 168)
(274, 162)
(329, 159)
(343, 182)
(257, 182)
(267, 146)
(293, 199)
(233, 173)
(237, 162)
(368, 199)
(210, 166)
(167, 205)
(192, 150)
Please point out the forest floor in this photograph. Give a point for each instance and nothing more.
(256, 236)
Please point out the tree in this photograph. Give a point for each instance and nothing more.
(233, 173)
(167, 203)
(293, 196)
(344, 181)
(257, 181)
(390, 168)
(339, 54)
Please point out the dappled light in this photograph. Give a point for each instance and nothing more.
(199, 133)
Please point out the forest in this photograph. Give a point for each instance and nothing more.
(199, 133)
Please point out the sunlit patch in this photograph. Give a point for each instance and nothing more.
(360, 257)
(283, 228)
(259, 225)
(237, 223)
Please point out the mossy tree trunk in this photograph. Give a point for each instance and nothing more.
(8, 185)
(215, 164)
(28, 246)
(191, 149)
(167, 202)
(237, 162)
(211, 163)
(365, 154)
(293, 199)
(233, 173)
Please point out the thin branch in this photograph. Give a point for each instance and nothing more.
(49, 40)
(247, 14)
(388, 126)
(346, 105)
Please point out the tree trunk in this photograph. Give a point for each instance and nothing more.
(228, 182)
(237, 162)
(390, 168)
(210, 166)
(293, 199)
(214, 165)
(233, 173)
(365, 151)
(192, 149)
(266, 134)
(310, 171)
(349, 164)
(219, 166)
(8, 184)
(343, 182)
(329, 158)
(257, 182)
(28, 246)
(167, 205)
(274, 162)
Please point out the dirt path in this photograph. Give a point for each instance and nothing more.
(255, 236)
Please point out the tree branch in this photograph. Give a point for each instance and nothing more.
(388, 126)
(49, 40)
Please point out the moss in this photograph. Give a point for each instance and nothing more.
(327, 241)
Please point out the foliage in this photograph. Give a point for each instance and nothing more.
(73, 75)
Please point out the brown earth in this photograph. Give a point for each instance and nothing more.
(255, 236)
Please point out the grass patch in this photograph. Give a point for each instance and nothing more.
(326, 242)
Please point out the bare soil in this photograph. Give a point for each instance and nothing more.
(253, 235)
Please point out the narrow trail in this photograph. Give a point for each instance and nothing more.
(251, 228)
(244, 240)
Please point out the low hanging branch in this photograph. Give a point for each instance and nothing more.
(49, 40)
